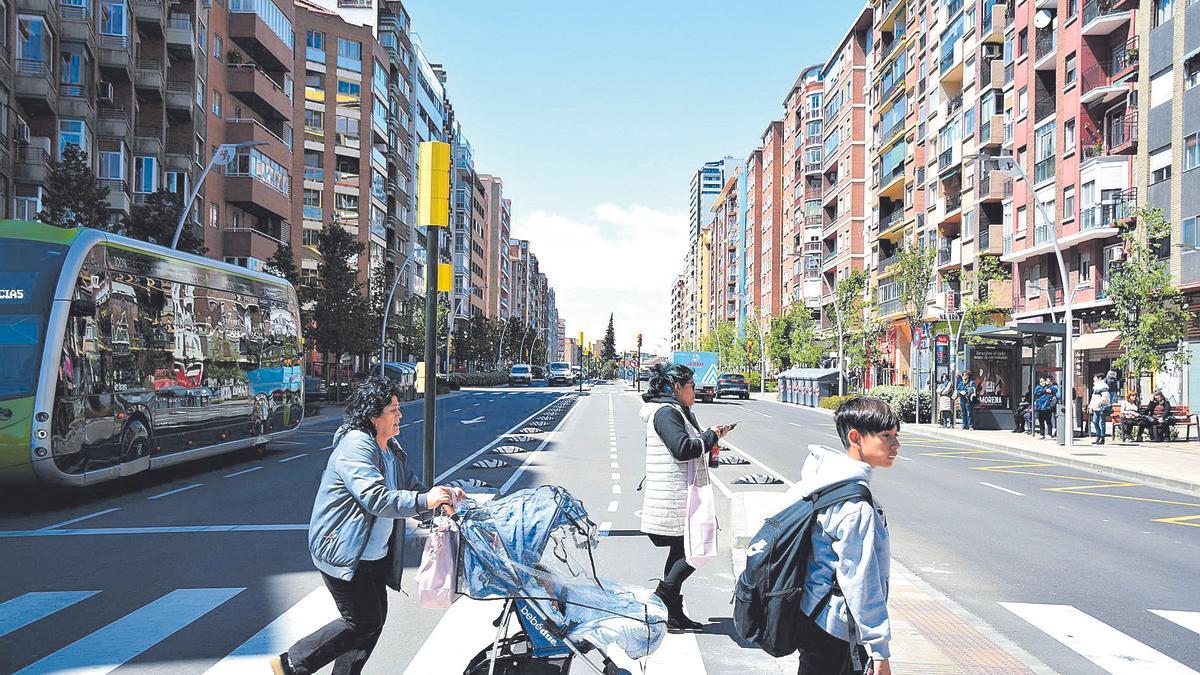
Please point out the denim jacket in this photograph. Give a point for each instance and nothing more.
(352, 494)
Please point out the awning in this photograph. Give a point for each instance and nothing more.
(1097, 340)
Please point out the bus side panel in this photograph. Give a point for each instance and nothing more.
(16, 418)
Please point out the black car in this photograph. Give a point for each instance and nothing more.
(733, 384)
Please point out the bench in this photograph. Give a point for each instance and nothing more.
(1181, 416)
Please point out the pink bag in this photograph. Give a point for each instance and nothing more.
(700, 526)
(437, 574)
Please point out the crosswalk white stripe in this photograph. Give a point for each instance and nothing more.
(304, 617)
(678, 653)
(24, 610)
(1096, 641)
(1189, 620)
(122, 640)
(464, 630)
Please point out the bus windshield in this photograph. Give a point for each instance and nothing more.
(29, 273)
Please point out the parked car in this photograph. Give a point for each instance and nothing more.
(537, 372)
(520, 373)
(314, 389)
(733, 384)
(560, 373)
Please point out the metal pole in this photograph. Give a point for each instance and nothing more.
(183, 213)
(386, 311)
(500, 344)
(432, 255)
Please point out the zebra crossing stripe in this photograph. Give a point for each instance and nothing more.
(464, 630)
(24, 610)
(1096, 641)
(1189, 620)
(122, 640)
(304, 617)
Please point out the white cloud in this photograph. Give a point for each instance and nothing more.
(621, 260)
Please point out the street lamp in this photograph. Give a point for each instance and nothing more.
(1010, 166)
(225, 153)
(386, 311)
(837, 317)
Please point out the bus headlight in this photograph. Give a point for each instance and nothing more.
(41, 434)
(43, 416)
(41, 452)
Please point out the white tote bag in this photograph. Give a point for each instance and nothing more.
(700, 526)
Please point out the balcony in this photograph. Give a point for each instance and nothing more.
(991, 131)
(118, 194)
(258, 91)
(951, 65)
(887, 222)
(31, 161)
(1101, 17)
(1044, 105)
(256, 196)
(35, 84)
(177, 162)
(1105, 83)
(252, 34)
(242, 130)
(891, 182)
(948, 160)
(148, 141)
(116, 58)
(950, 254)
(148, 78)
(954, 104)
(995, 186)
(181, 40)
(1043, 233)
(952, 205)
(991, 74)
(314, 173)
(1119, 137)
(994, 23)
(1045, 48)
(891, 259)
(75, 101)
(77, 25)
(149, 15)
(889, 12)
(180, 97)
(112, 122)
(1109, 214)
(249, 243)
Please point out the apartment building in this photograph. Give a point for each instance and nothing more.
(724, 257)
(497, 215)
(801, 189)
(706, 183)
(678, 339)
(770, 204)
(466, 232)
(752, 229)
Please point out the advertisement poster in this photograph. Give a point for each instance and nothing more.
(991, 368)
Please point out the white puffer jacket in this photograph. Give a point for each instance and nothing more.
(664, 496)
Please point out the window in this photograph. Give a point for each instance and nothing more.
(1072, 8)
(312, 198)
(1019, 223)
(1189, 232)
(1069, 202)
(72, 70)
(201, 35)
(1085, 267)
(216, 103)
(1069, 70)
(1164, 11)
(1069, 137)
(36, 40)
(218, 48)
(271, 15)
(177, 183)
(349, 54)
(314, 46)
(1191, 152)
(200, 92)
(214, 215)
(1160, 164)
(114, 19)
(112, 165)
(314, 120)
(74, 132)
(253, 163)
(1161, 88)
(1022, 101)
(348, 93)
(1022, 42)
(145, 174)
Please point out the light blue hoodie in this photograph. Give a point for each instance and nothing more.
(852, 538)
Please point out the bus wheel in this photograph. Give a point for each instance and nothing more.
(135, 443)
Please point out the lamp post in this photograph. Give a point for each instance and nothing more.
(1010, 166)
(386, 311)
(837, 317)
(225, 154)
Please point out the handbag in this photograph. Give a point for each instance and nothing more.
(437, 575)
(700, 524)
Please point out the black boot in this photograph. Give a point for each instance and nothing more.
(675, 617)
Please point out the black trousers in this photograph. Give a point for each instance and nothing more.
(827, 655)
(676, 570)
(350, 639)
(1045, 419)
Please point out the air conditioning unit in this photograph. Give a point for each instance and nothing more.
(22, 133)
(1118, 254)
(104, 92)
(991, 51)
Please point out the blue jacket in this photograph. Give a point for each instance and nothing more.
(1047, 397)
(352, 494)
(966, 391)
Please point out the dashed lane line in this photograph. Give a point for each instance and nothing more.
(288, 459)
(176, 491)
(243, 472)
(1003, 489)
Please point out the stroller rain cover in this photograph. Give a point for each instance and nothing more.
(536, 545)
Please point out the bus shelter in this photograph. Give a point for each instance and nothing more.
(1002, 373)
(807, 386)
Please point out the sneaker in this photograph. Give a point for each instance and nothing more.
(281, 666)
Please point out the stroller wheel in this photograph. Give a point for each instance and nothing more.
(611, 668)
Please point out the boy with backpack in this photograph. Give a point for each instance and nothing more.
(816, 578)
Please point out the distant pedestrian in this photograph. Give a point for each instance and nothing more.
(1132, 418)
(1114, 386)
(1159, 412)
(846, 587)
(967, 396)
(1100, 407)
(356, 534)
(946, 400)
(673, 438)
(1044, 403)
(1022, 416)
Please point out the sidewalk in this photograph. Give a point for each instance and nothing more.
(1174, 465)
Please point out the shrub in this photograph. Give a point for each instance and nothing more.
(904, 401)
(832, 402)
(491, 379)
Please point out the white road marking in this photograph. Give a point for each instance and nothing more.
(604, 528)
(616, 476)
(678, 653)
(464, 630)
(524, 465)
(758, 413)
(612, 506)
(1096, 641)
(122, 640)
(79, 519)
(1003, 489)
(796, 425)
(1189, 620)
(242, 472)
(178, 529)
(616, 489)
(288, 459)
(25, 609)
(304, 617)
(907, 459)
(168, 493)
(471, 458)
(477, 420)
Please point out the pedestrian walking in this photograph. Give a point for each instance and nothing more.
(673, 438)
(356, 533)
(1022, 416)
(1132, 418)
(946, 401)
(1114, 386)
(846, 587)
(967, 395)
(1159, 413)
(1044, 403)
(1101, 407)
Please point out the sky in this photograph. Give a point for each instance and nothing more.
(596, 115)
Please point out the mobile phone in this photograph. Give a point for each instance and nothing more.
(731, 426)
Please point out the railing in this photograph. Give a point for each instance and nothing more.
(74, 12)
(945, 254)
(179, 22)
(1095, 9)
(33, 67)
(1042, 233)
(108, 113)
(985, 129)
(1009, 72)
(954, 105)
(313, 213)
(1043, 170)
(953, 203)
(258, 125)
(830, 255)
(888, 261)
(113, 185)
(179, 88)
(314, 173)
(32, 153)
(1044, 106)
(891, 47)
(889, 5)
(72, 89)
(1125, 55)
(114, 41)
(887, 222)
(946, 159)
(892, 175)
(889, 307)
(1047, 42)
(1008, 244)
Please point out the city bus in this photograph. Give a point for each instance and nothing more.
(118, 356)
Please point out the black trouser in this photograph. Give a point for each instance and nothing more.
(362, 603)
(827, 655)
(676, 570)
(1128, 426)
(1045, 420)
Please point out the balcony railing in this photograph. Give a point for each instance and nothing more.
(1044, 105)
(314, 173)
(1043, 233)
(1095, 9)
(33, 67)
(953, 202)
(1047, 42)
(954, 105)
(945, 254)
(1009, 72)
(1108, 214)
(890, 220)
(888, 261)
(946, 159)
(1043, 170)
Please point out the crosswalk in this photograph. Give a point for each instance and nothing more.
(466, 628)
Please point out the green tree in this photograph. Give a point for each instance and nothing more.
(1147, 309)
(862, 332)
(805, 348)
(410, 327)
(155, 219)
(283, 264)
(609, 352)
(979, 308)
(339, 305)
(914, 272)
(72, 196)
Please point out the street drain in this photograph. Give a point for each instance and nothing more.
(506, 450)
(730, 459)
(757, 479)
(470, 483)
(530, 430)
(491, 464)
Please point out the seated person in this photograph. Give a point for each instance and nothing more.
(1159, 413)
(1133, 418)
(1023, 415)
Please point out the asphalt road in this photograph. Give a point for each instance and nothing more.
(987, 528)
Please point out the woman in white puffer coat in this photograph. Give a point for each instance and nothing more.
(673, 438)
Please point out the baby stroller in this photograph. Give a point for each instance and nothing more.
(533, 549)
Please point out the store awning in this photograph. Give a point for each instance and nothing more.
(1098, 340)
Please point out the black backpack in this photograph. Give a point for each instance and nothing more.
(766, 600)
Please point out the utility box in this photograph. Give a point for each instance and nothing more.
(807, 386)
